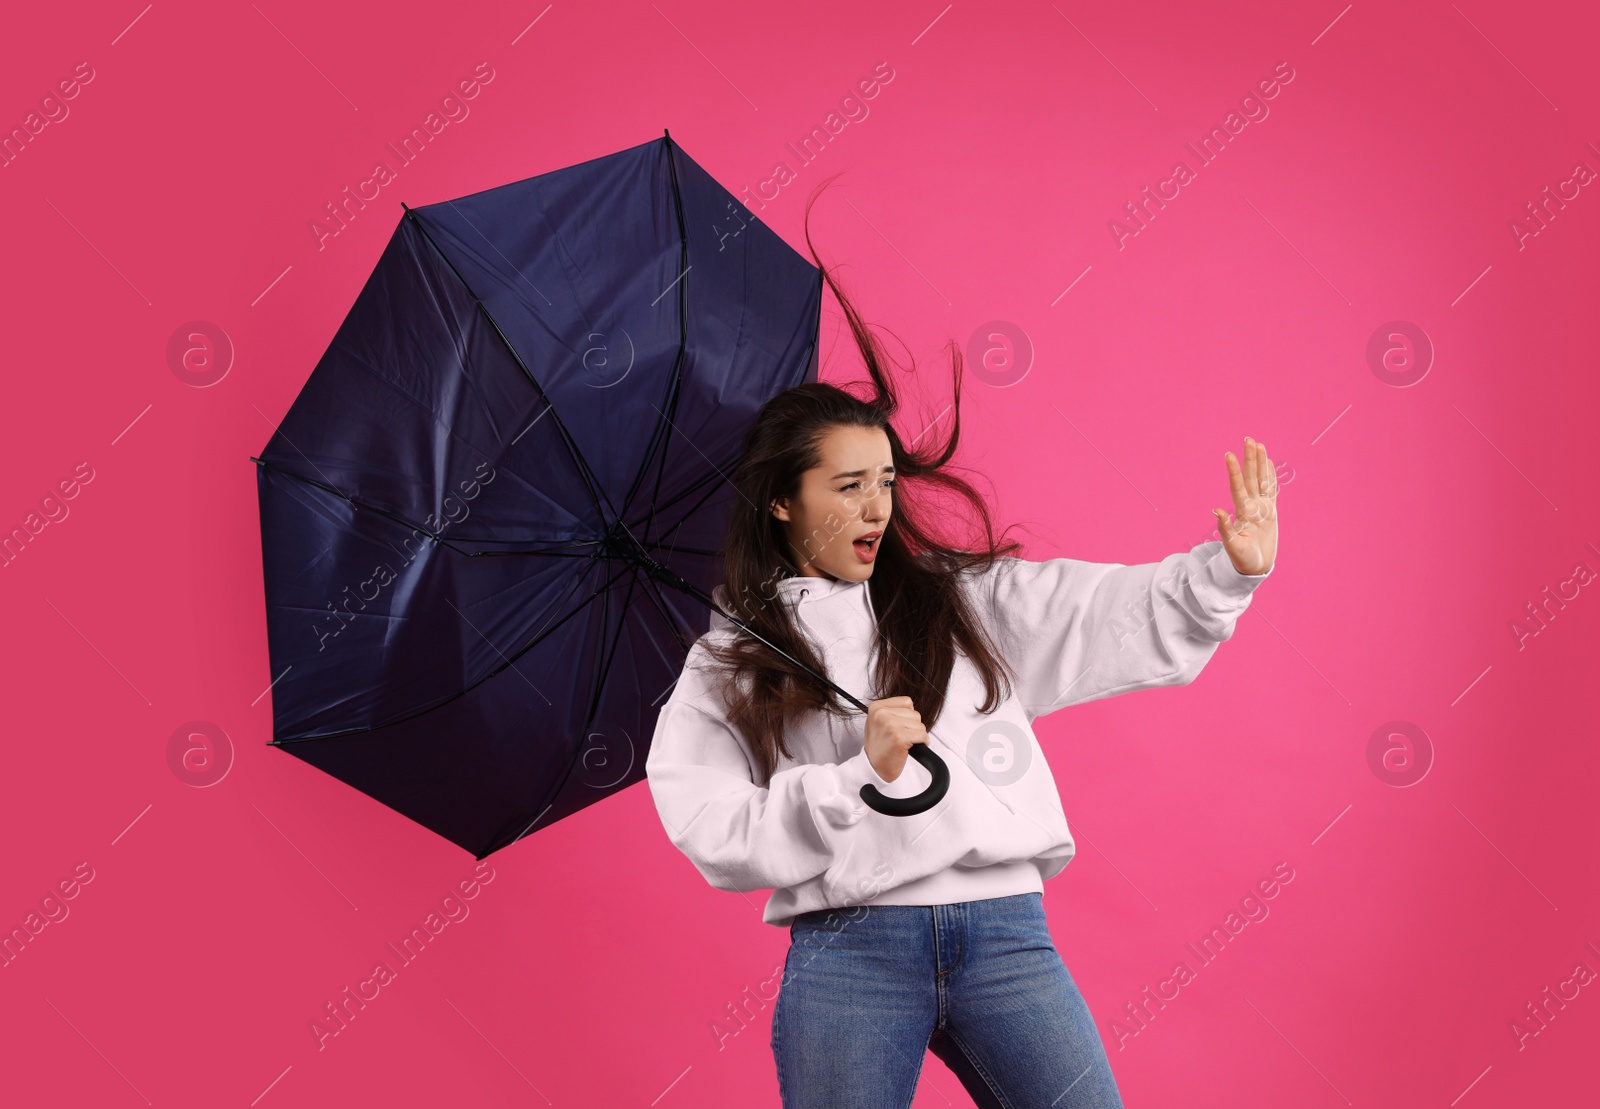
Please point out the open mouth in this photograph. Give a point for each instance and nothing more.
(867, 546)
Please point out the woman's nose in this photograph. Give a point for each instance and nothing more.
(876, 508)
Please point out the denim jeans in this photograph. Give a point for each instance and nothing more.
(867, 990)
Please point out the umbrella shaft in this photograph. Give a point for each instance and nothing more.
(655, 569)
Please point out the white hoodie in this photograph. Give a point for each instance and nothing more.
(1072, 632)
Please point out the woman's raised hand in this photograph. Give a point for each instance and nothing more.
(893, 725)
(1251, 537)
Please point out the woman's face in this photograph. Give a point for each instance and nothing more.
(846, 498)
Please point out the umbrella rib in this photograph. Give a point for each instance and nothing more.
(666, 420)
(656, 433)
(646, 583)
(438, 537)
(425, 709)
(673, 627)
(693, 509)
(666, 416)
(603, 666)
(691, 489)
(595, 489)
(678, 583)
(658, 599)
(550, 553)
(659, 546)
(662, 544)
(710, 478)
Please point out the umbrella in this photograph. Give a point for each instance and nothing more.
(491, 518)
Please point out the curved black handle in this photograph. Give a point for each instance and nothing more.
(889, 806)
(922, 802)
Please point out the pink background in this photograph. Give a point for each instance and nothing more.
(1418, 522)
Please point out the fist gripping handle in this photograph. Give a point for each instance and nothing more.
(922, 802)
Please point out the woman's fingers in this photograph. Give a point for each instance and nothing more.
(898, 718)
(904, 710)
(1253, 481)
(1236, 483)
(1224, 529)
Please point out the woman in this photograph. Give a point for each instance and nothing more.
(922, 932)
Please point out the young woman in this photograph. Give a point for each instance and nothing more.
(921, 932)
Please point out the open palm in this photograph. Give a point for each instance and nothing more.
(1251, 536)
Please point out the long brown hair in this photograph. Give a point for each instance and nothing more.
(922, 614)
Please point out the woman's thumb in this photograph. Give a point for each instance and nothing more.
(1224, 529)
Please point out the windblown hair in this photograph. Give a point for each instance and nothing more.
(923, 615)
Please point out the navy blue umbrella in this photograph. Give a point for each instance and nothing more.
(490, 520)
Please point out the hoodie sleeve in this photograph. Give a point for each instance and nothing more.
(1077, 631)
(739, 835)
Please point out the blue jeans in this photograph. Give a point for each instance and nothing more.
(866, 991)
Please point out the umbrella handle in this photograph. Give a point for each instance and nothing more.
(922, 802)
(889, 806)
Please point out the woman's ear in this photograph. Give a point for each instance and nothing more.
(780, 509)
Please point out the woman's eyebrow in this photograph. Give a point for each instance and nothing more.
(859, 473)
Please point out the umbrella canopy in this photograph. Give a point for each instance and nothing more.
(473, 514)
